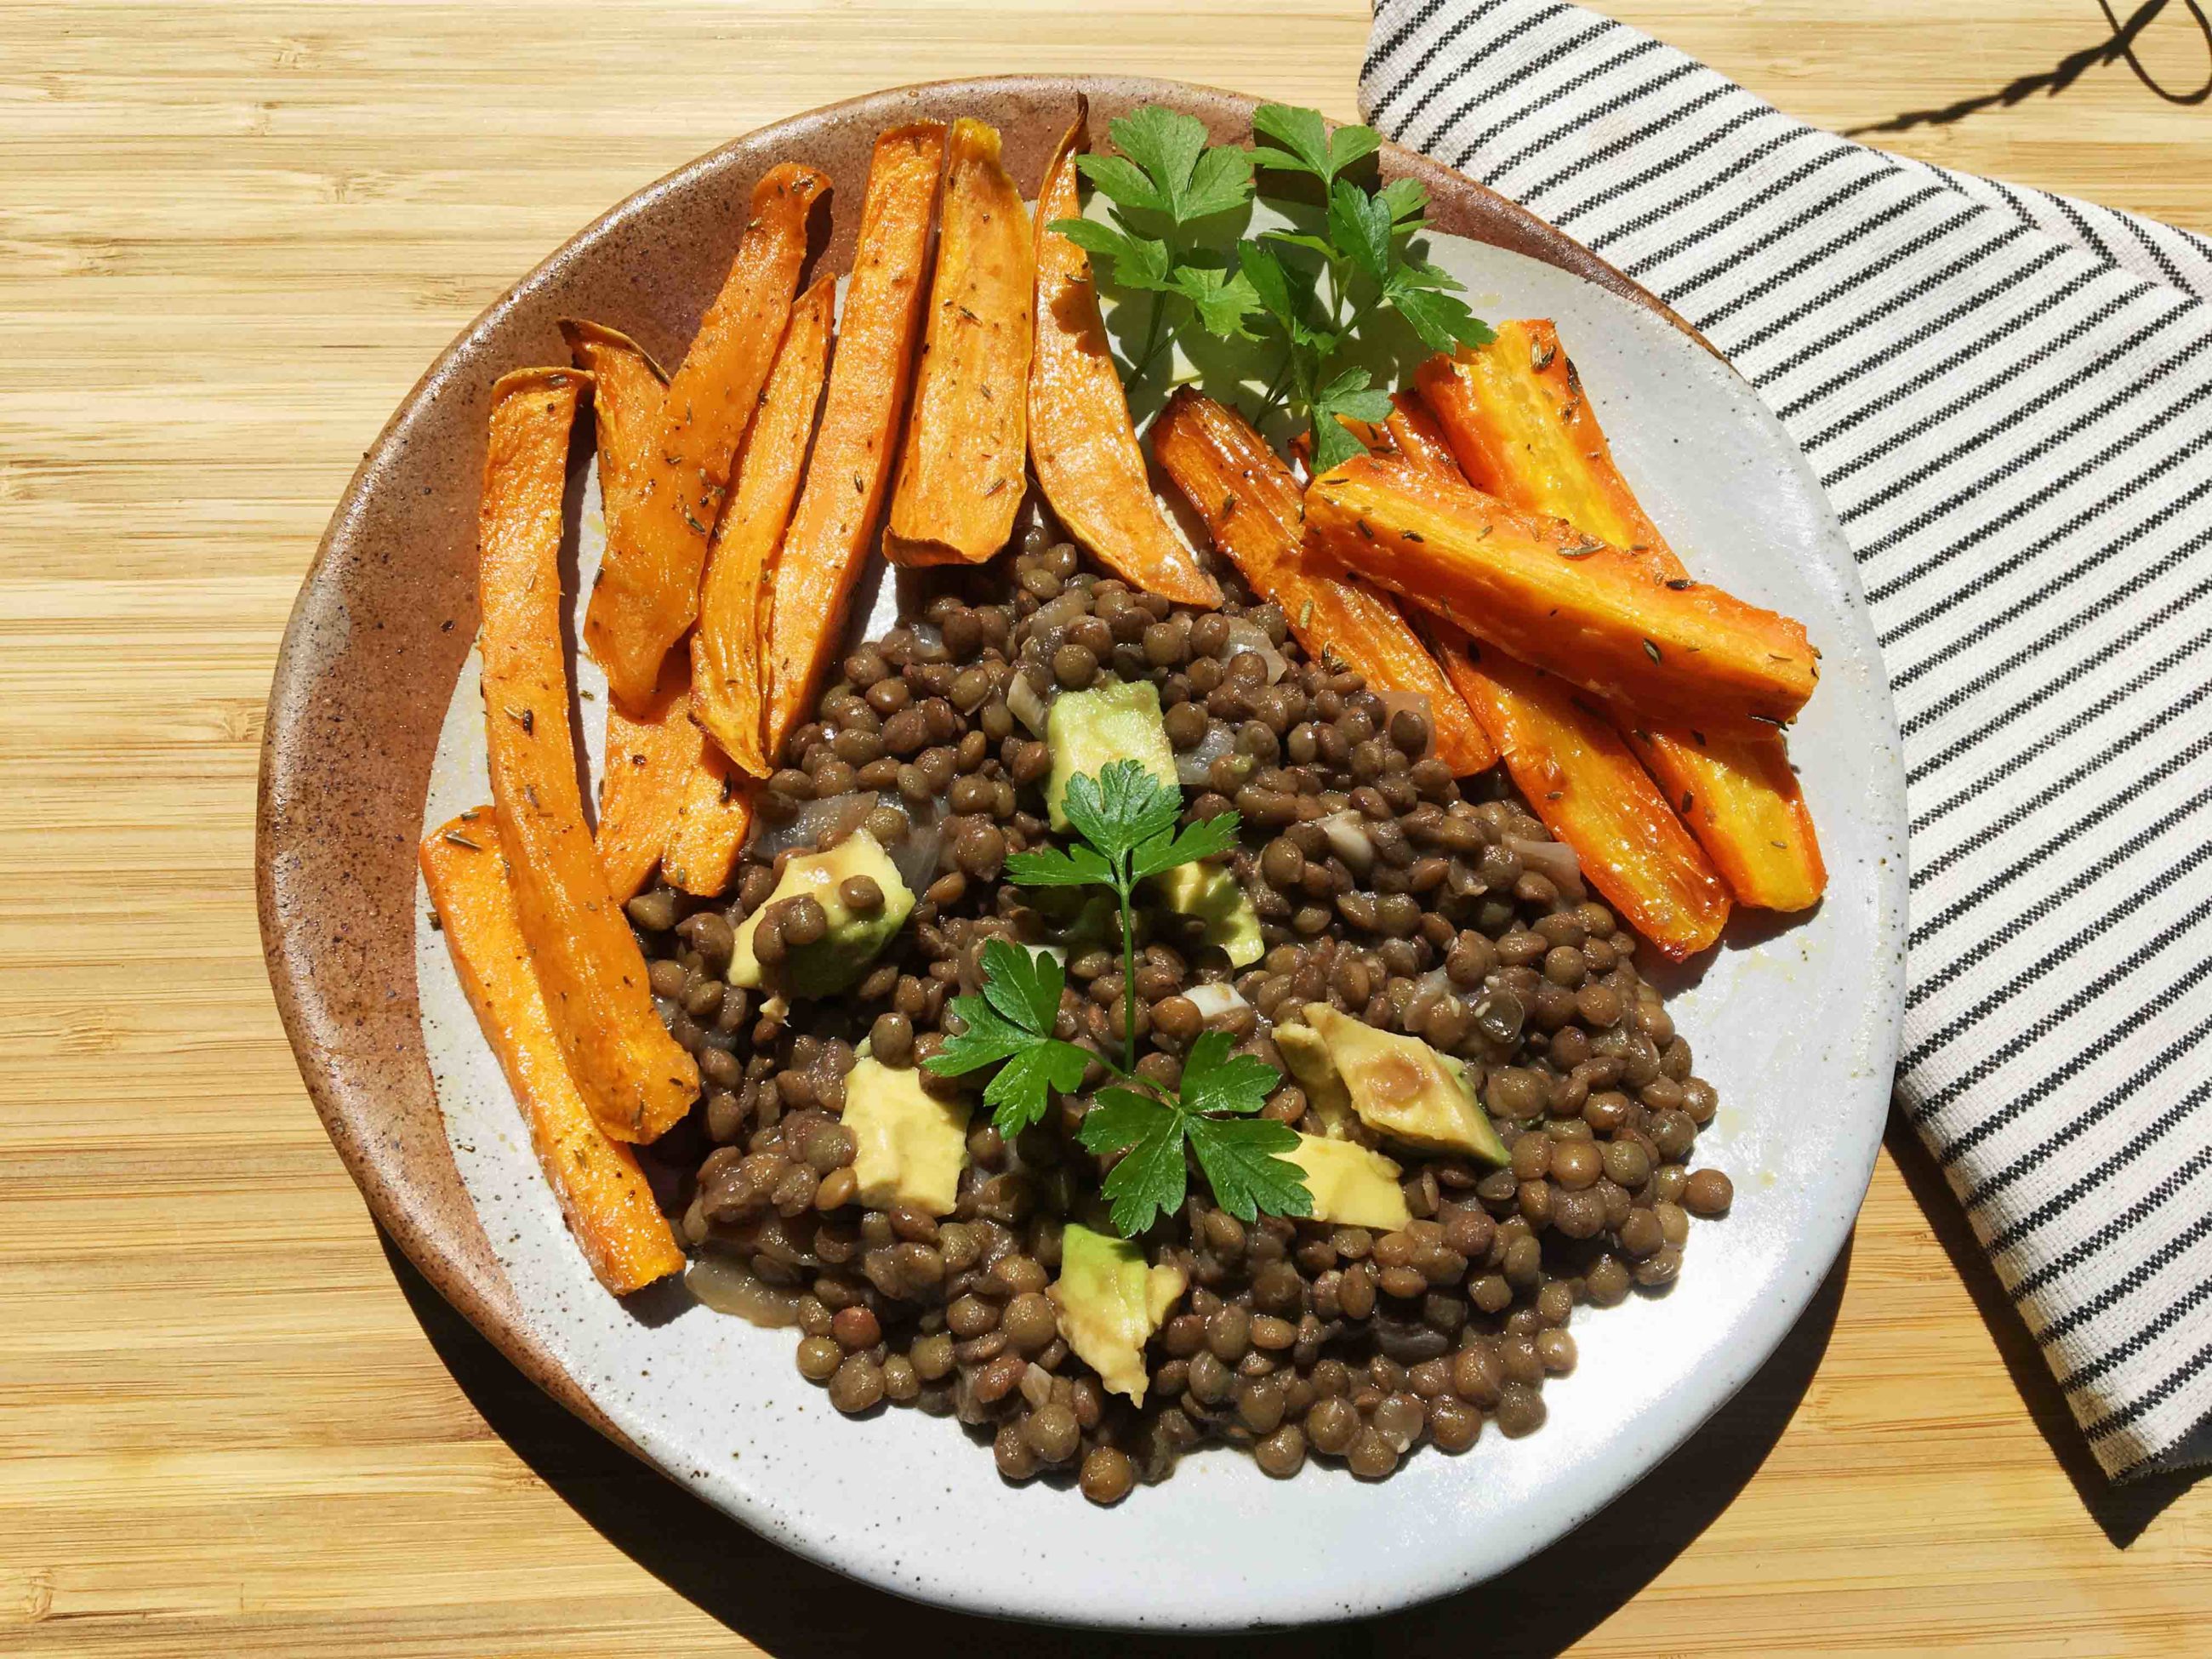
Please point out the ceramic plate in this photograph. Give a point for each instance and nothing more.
(375, 733)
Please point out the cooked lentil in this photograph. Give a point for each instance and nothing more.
(1295, 1339)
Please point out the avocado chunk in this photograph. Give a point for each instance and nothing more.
(835, 960)
(1115, 720)
(1351, 1186)
(1210, 893)
(1110, 1304)
(1404, 1089)
(912, 1145)
(1311, 1068)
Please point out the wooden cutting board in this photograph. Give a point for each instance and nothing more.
(230, 1420)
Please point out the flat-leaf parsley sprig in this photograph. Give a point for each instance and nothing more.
(1126, 822)
(1167, 179)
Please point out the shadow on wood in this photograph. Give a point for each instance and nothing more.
(2121, 1511)
(795, 1610)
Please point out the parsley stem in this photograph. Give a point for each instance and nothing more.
(1152, 341)
(1123, 889)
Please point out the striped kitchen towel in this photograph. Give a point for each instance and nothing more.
(2008, 397)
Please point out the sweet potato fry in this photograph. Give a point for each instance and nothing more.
(729, 667)
(1587, 612)
(826, 541)
(718, 811)
(967, 441)
(1580, 779)
(647, 591)
(635, 1078)
(1249, 502)
(1527, 434)
(649, 761)
(1081, 439)
(627, 392)
(621, 1230)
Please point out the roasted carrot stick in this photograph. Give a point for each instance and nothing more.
(826, 541)
(1517, 418)
(637, 1079)
(967, 441)
(649, 588)
(1249, 502)
(1517, 422)
(1579, 778)
(650, 756)
(609, 1207)
(1587, 612)
(728, 665)
(1081, 439)
(718, 811)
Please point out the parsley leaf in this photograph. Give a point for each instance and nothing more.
(1138, 262)
(1151, 1177)
(1407, 200)
(1349, 393)
(1012, 1022)
(1216, 1081)
(1306, 145)
(1414, 290)
(1359, 226)
(1079, 866)
(1220, 300)
(1242, 1162)
(1166, 167)
(1208, 838)
(1123, 806)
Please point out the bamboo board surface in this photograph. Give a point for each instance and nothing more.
(230, 1420)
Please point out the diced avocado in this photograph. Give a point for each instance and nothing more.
(1115, 720)
(1311, 1068)
(1210, 892)
(1351, 1186)
(1110, 1304)
(1404, 1089)
(912, 1145)
(836, 959)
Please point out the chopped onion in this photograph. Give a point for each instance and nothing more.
(834, 818)
(1347, 839)
(1393, 700)
(1027, 705)
(725, 1283)
(1216, 999)
(916, 854)
(1245, 634)
(1554, 860)
(1194, 765)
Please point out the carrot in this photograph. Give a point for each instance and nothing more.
(1580, 779)
(1516, 421)
(638, 1081)
(826, 541)
(1414, 431)
(718, 811)
(967, 442)
(1586, 611)
(650, 756)
(648, 587)
(727, 650)
(602, 1192)
(1249, 503)
(1517, 415)
(1081, 439)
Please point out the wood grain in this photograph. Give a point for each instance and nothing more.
(230, 237)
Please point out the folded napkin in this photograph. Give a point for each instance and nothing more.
(2008, 397)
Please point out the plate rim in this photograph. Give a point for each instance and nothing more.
(450, 1248)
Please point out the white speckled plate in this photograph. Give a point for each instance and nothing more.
(1796, 1025)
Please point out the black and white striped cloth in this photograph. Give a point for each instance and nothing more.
(2008, 397)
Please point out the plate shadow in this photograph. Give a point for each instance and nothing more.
(793, 1609)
